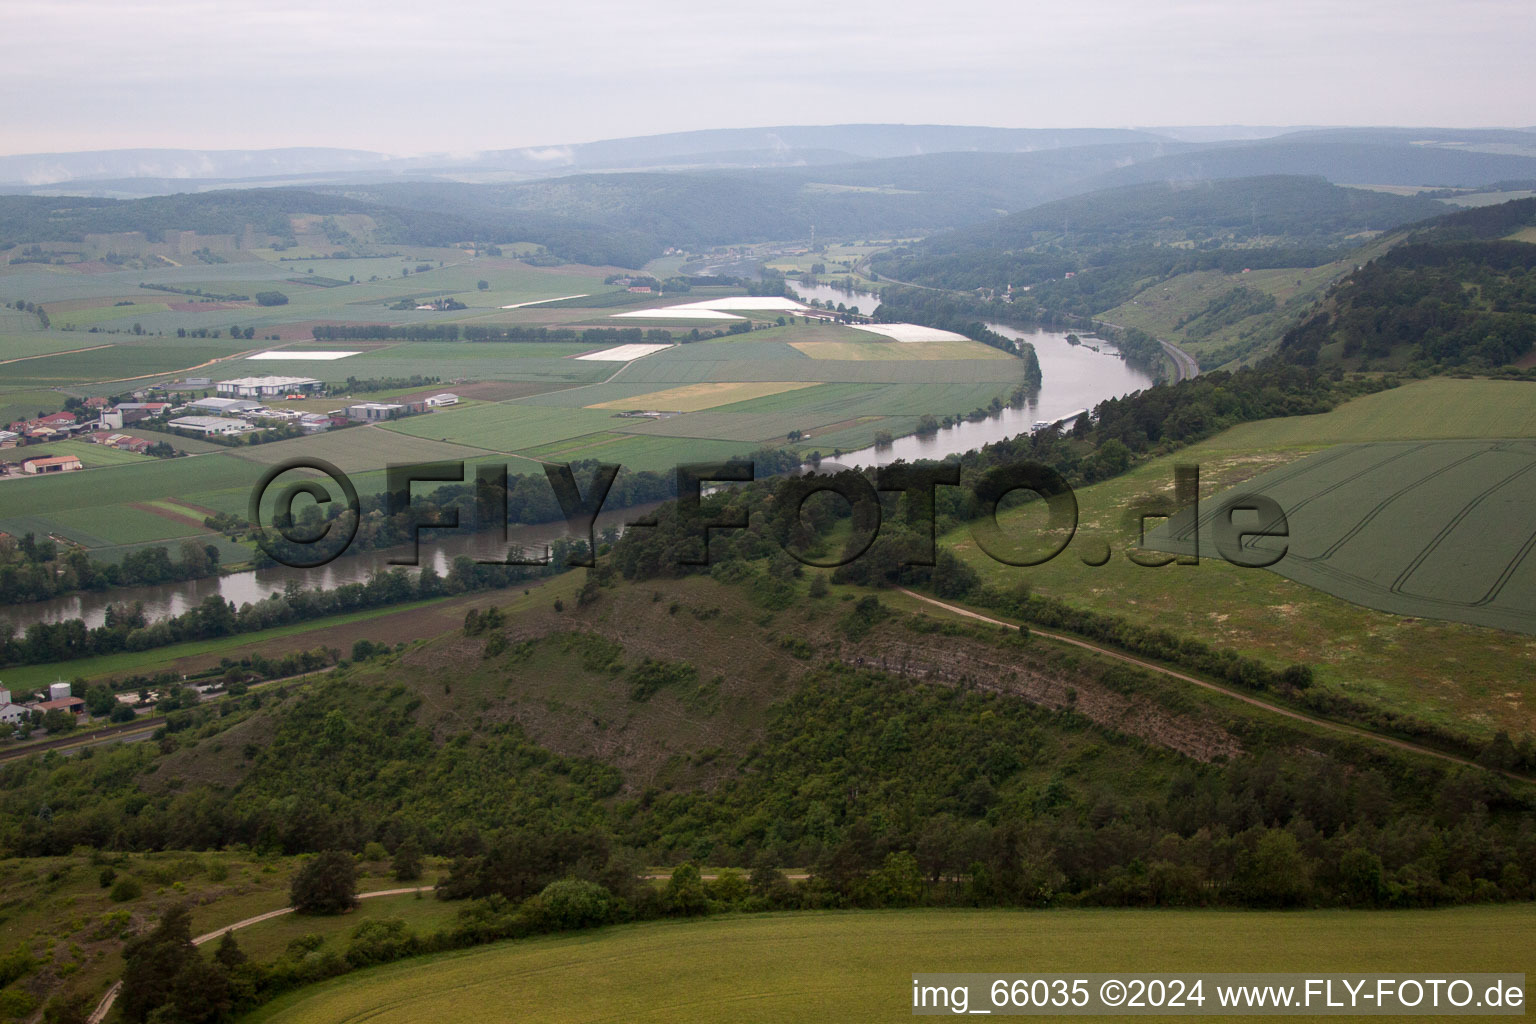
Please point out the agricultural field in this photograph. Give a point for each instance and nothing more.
(859, 966)
(1436, 529)
(834, 387)
(1454, 673)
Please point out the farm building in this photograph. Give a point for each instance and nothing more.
(122, 442)
(368, 412)
(9, 438)
(51, 464)
(446, 398)
(210, 425)
(97, 403)
(267, 387)
(224, 406)
(132, 412)
(74, 705)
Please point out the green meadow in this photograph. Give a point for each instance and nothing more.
(858, 966)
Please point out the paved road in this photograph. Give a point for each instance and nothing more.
(105, 1006)
(1184, 364)
(1325, 723)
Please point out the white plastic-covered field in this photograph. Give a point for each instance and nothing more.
(679, 313)
(622, 353)
(744, 302)
(909, 332)
(300, 354)
(540, 302)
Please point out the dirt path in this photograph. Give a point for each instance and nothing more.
(46, 355)
(1325, 723)
(105, 1006)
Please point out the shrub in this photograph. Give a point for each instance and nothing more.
(570, 904)
(125, 889)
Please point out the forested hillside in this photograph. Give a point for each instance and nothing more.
(1456, 294)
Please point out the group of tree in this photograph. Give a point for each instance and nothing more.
(33, 570)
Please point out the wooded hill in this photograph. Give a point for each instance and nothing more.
(1456, 293)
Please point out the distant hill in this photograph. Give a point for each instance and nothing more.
(786, 146)
(1305, 210)
(1340, 159)
(1410, 156)
(1083, 255)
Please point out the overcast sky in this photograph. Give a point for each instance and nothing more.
(466, 75)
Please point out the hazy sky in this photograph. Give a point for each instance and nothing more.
(466, 75)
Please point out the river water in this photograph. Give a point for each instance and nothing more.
(1075, 377)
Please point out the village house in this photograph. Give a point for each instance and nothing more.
(10, 712)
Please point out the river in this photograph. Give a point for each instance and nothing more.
(1074, 377)
(438, 549)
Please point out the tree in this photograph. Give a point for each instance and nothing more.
(57, 722)
(99, 701)
(685, 893)
(154, 960)
(199, 993)
(483, 285)
(326, 884)
(73, 1008)
(228, 953)
(730, 887)
(407, 862)
(1276, 873)
(898, 882)
(271, 299)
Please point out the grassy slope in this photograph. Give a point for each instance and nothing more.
(1159, 308)
(58, 907)
(1459, 675)
(858, 966)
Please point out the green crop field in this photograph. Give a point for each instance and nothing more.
(859, 966)
(19, 403)
(1437, 408)
(90, 455)
(121, 361)
(358, 449)
(1453, 673)
(1438, 529)
(505, 427)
